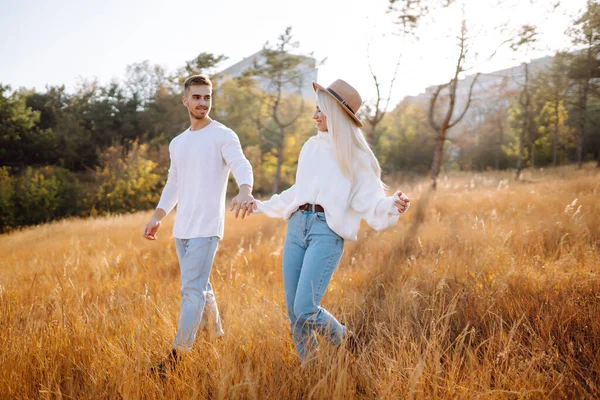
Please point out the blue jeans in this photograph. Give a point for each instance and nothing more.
(311, 253)
(198, 304)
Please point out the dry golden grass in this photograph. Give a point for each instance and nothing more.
(489, 288)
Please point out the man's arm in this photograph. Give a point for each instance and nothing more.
(242, 172)
(168, 199)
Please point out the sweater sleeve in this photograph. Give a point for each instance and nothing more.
(371, 203)
(234, 157)
(275, 207)
(169, 195)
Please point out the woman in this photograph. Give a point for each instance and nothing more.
(337, 184)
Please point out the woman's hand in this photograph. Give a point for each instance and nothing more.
(401, 201)
(246, 208)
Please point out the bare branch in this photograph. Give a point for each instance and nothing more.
(293, 119)
(269, 141)
(374, 120)
(432, 102)
(468, 102)
(389, 96)
(454, 81)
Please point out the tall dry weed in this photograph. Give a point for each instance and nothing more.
(488, 288)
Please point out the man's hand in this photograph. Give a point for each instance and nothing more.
(401, 201)
(151, 229)
(243, 202)
(154, 223)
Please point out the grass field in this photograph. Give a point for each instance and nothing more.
(489, 288)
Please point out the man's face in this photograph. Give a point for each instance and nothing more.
(198, 101)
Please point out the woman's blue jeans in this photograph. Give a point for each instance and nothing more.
(311, 253)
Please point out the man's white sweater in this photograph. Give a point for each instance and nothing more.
(200, 164)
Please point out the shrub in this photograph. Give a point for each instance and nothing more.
(127, 180)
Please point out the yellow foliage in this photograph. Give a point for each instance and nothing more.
(127, 180)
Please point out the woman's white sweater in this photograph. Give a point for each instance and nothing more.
(319, 180)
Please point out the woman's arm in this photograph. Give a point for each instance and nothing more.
(371, 203)
(275, 207)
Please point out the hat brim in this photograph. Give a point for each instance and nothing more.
(316, 87)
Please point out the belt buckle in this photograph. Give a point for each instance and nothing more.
(307, 207)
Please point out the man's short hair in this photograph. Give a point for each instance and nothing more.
(196, 80)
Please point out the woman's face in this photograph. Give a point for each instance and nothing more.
(321, 120)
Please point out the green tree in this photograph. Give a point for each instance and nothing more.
(585, 68)
(480, 145)
(22, 142)
(282, 104)
(408, 142)
(7, 206)
(126, 180)
(525, 40)
(239, 108)
(551, 88)
(204, 63)
(555, 138)
(165, 117)
(44, 194)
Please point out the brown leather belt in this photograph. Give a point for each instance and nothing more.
(309, 207)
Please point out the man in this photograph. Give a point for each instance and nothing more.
(201, 159)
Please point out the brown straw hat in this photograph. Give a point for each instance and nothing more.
(344, 94)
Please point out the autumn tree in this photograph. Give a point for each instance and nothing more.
(281, 75)
(407, 15)
(550, 107)
(407, 144)
(204, 63)
(524, 41)
(376, 110)
(22, 142)
(585, 67)
(446, 109)
(485, 129)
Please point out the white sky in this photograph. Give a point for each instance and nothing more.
(63, 41)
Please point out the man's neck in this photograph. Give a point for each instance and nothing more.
(198, 124)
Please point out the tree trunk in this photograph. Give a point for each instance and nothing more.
(277, 179)
(499, 147)
(521, 147)
(521, 151)
(532, 146)
(581, 125)
(447, 123)
(371, 139)
(437, 160)
(525, 124)
(555, 139)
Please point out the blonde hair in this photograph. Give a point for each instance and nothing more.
(347, 139)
